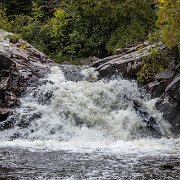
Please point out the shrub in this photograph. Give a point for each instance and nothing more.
(154, 63)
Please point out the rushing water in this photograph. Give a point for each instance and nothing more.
(88, 129)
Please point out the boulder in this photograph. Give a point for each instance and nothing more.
(155, 88)
(4, 113)
(165, 75)
(72, 72)
(173, 88)
(171, 112)
(169, 104)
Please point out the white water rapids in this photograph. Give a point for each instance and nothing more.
(86, 116)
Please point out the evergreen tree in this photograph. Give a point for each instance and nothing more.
(48, 6)
(169, 22)
(17, 7)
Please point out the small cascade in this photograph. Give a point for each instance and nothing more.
(62, 109)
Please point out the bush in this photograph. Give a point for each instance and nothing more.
(169, 22)
(4, 23)
(154, 63)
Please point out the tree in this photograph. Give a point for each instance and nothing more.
(169, 22)
(48, 6)
(4, 23)
(17, 7)
(99, 27)
(83, 28)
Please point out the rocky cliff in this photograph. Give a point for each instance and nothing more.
(21, 66)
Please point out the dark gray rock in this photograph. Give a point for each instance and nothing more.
(174, 88)
(171, 112)
(4, 113)
(72, 72)
(152, 129)
(169, 104)
(11, 99)
(156, 88)
(128, 63)
(177, 68)
(5, 62)
(165, 75)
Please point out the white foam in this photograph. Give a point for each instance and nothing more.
(86, 116)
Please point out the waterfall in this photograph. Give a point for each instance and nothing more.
(87, 110)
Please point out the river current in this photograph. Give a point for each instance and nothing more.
(88, 129)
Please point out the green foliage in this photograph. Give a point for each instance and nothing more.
(169, 22)
(122, 35)
(96, 28)
(154, 63)
(37, 13)
(84, 28)
(14, 38)
(4, 23)
(17, 7)
(48, 7)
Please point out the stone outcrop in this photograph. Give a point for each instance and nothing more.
(127, 63)
(169, 104)
(21, 66)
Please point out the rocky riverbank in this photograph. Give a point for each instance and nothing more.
(21, 66)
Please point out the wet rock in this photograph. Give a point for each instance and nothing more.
(26, 119)
(19, 68)
(173, 88)
(152, 128)
(127, 63)
(6, 124)
(4, 113)
(156, 88)
(167, 166)
(177, 68)
(11, 99)
(171, 112)
(43, 97)
(72, 72)
(165, 75)
(3, 86)
(169, 104)
(106, 70)
(5, 61)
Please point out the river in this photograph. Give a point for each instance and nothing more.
(88, 129)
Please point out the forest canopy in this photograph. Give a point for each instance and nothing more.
(68, 30)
